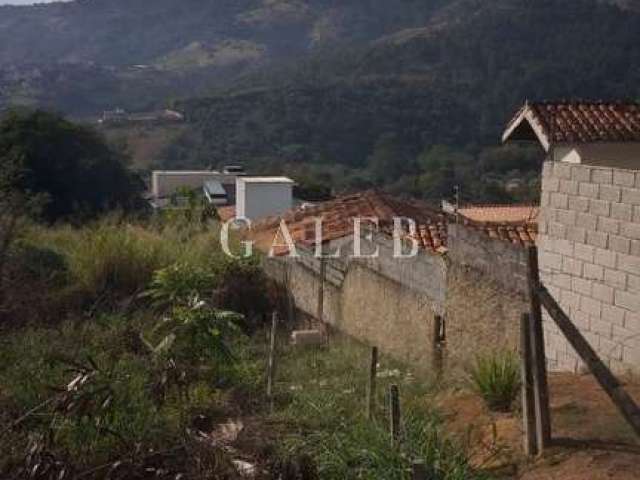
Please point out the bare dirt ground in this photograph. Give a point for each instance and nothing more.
(591, 439)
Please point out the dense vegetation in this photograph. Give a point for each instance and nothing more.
(69, 167)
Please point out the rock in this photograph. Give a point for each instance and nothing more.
(307, 338)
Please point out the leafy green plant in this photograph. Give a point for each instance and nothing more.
(178, 284)
(496, 376)
(196, 332)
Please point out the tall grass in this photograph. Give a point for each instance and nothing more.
(326, 390)
(119, 258)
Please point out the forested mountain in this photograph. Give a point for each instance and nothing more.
(382, 110)
(407, 93)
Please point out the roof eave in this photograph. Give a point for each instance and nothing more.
(527, 114)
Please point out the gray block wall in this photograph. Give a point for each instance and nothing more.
(589, 249)
(502, 262)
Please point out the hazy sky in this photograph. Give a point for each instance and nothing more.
(26, 2)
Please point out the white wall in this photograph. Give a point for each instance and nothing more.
(259, 200)
(616, 155)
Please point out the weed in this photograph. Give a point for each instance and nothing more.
(496, 376)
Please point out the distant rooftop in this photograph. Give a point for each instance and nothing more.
(575, 122)
(265, 180)
(501, 213)
(187, 172)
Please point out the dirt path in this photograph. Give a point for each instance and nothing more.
(593, 442)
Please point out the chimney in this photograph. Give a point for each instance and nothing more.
(259, 197)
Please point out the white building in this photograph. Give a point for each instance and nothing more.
(258, 197)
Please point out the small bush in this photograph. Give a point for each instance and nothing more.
(496, 376)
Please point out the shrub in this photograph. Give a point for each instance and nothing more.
(196, 332)
(496, 376)
(244, 288)
(35, 285)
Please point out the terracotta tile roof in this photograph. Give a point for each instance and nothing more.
(576, 122)
(523, 235)
(516, 224)
(501, 213)
(337, 221)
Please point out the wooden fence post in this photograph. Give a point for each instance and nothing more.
(394, 414)
(540, 386)
(609, 383)
(371, 386)
(528, 401)
(271, 366)
(438, 326)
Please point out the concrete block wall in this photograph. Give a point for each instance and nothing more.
(501, 262)
(486, 294)
(589, 249)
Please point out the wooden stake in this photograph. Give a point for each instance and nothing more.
(394, 414)
(437, 344)
(371, 386)
(610, 384)
(271, 365)
(539, 364)
(320, 306)
(528, 401)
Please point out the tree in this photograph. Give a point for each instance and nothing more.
(72, 165)
(388, 160)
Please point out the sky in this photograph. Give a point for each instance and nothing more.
(25, 2)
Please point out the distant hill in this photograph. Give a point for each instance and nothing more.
(124, 32)
(141, 52)
(454, 80)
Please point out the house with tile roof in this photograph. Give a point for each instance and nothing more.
(581, 132)
(589, 223)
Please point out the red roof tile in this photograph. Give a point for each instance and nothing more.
(337, 221)
(577, 122)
